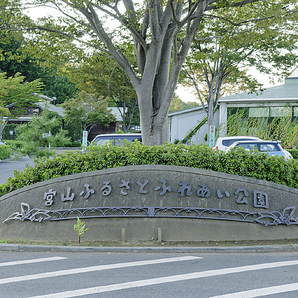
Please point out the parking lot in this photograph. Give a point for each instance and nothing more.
(7, 167)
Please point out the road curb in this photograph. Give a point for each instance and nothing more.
(131, 249)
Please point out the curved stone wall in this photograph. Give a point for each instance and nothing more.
(185, 203)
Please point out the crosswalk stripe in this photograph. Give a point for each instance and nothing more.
(261, 292)
(13, 263)
(94, 268)
(167, 279)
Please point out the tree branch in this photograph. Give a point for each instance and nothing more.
(236, 4)
(95, 23)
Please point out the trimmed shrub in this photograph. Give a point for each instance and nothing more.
(294, 153)
(238, 162)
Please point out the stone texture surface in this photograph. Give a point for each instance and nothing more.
(149, 186)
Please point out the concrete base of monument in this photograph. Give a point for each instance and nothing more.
(141, 203)
(137, 229)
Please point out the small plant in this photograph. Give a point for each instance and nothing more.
(80, 228)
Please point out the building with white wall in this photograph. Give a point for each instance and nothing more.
(182, 122)
(277, 101)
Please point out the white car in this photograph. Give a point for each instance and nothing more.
(223, 143)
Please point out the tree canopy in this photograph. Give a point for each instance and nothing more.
(85, 111)
(13, 90)
(101, 76)
(178, 105)
(42, 131)
(16, 58)
(160, 33)
(217, 66)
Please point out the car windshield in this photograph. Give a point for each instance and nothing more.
(263, 147)
(130, 139)
(269, 147)
(117, 140)
(102, 141)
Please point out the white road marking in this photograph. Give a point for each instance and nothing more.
(94, 268)
(167, 279)
(31, 261)
(261, 292)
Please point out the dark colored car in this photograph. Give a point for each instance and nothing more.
(118, 139)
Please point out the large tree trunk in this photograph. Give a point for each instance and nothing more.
(160, 54)
(154, 124)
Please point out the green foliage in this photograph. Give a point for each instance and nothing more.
(33, 134)
(16, 60)
(15, 145)
(218, 66)
(5, 152)
(294, 153)
(178, 105)
(279, 128)
(79, 34)
(16, 90)
(238, 162)
(59, 86)
(100, 75)
(80, 228)
(85, 111)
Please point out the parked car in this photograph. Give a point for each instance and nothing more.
(117, 138)
(223, 143)
(270, 147)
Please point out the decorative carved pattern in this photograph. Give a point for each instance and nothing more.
(265, 218)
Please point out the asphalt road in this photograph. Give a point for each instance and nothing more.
(7, 167)
(125, 275)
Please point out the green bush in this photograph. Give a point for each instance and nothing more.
(5, 152)
(73, 144)
(238, 162)
(294, 153)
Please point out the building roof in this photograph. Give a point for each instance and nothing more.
(294, 74)
(51, 107)
(116, 113)
(286, 92)
(186, 111)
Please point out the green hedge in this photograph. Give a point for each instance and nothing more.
(294, 153)
(238, 162)
(15, 145)
(19, 145)
(5, 152)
